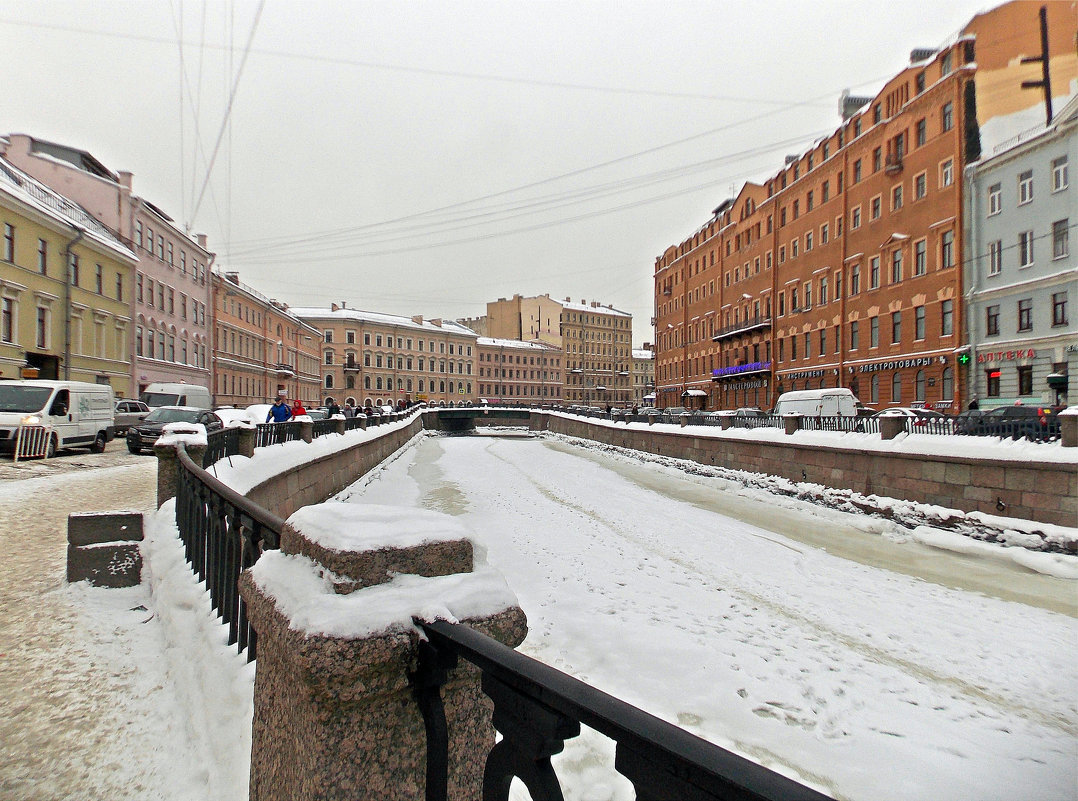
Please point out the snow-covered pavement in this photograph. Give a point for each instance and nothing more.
(866, 682)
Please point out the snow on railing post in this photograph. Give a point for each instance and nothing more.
(193, 438)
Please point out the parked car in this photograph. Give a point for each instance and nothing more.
(128, 413)
(916, 417)
(674, 411)
(749, 411)
(172, 394)
(970, 422)
(649, 411)
(828, 402)
(1036, 423)
(147, 432)
(80, 414)
(316, 414)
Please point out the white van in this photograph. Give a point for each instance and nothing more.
(830, 402)
(156, 395)
(81, 414)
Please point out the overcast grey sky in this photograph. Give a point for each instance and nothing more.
(426, 157)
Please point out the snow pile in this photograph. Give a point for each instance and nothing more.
(187, 433)
(348, 527)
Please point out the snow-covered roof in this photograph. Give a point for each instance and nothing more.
(494, 342)
(643, 354)
(379, 318)
(585, 307)
(17, 184)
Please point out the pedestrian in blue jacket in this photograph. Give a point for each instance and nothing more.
(279, 411)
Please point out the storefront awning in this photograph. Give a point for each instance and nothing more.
(694, 393)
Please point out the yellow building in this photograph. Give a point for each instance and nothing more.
(65, 289)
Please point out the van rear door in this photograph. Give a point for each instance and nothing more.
(829, 405)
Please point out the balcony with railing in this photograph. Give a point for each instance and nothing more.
(746, 326)
(285, 370)
(893, 164)
(351, 366)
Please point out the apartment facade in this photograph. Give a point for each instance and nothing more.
(375, 359)
(65, 287)
(512, 371)
(844, 267)
(170, 338)
(642, 377)
(596, 341)
(1022, 276)
(261, 349)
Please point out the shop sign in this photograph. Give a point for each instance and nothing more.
(751, 367)
(898, 364)
(804, 374)
(733, 386)
(1006, 355)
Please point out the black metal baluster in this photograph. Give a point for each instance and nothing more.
(531, 733)
(427, 681)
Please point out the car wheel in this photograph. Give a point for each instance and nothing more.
(133, 448)
(100, 442)
(51, 452)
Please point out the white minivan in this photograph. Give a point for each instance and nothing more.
(81, 414)
(832, 402)
(156, 395)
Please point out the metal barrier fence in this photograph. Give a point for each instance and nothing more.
(536, 708)
(323, 427)
(276, 433)
(32, 442)
(221, 445)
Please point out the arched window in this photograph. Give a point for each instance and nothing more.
(921, 385)
(329, 381)
(441, 386)
(874, 388)
(896, 388)
(366, 382)
(350, 382)
(948, 384)
(378, 382)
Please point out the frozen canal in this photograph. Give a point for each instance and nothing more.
(824, 645)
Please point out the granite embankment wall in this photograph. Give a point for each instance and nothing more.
(325, 476)
(1043, 491)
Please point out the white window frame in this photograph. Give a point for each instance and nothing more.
(1025, 249)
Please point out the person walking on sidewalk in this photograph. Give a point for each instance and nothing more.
(279, 411)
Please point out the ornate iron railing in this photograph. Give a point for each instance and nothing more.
(323, 427)
(538, 708)
(276, 433)
(221, 444)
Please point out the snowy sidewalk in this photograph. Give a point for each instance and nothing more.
(81, 682)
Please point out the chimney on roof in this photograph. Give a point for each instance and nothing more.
(437, 321)
(333, 307)
(848, 104)
(417, 319)
(344, 305)
(233, 277)
(922, 54)
(790, 159)
(125, 179)
(201, 239)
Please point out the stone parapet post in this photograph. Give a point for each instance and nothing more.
(306, 430)
(1068, 430)
(168, 466)
(791, 422)
(341, 425)
(248, 437)
(726, 422)
(335, 717)
(891, 426)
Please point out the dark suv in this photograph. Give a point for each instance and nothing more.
(1036, 423)
(145, 434)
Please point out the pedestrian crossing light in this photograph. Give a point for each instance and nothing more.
(963, 358)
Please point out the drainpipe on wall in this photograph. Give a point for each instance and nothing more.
(67, 301)
(974, 241)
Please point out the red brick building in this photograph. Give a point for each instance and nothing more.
(844, 267)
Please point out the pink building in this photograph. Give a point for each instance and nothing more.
(170, 339)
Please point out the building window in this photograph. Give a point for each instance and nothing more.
(329, 357)
(170, 262)
(896, 266)
(138, 236)
(919, 323)
(855, 218)
(877, 159)
(74, 269)
(1060, 239)
(161, 255)
(808, 241)
(42, 338)
(857, 171)
(9, 243)
(875, 208)
(1059, 308)
(920, 257)
(991, 321)
(1025, 187)
(991, 378)
(823, 234)
(1025, 249)
(946, 173)
(919, 386)
(947, 249)
(947, 379)
(874, 332)
(920, 185)
(995, 199)
(946, 318)
(896, 198)
(1025, 314)
(995, 257)
(896, 327)
(1059, 174)
(922, 132)
(855, 279)
(823, 341)
(874, 273)
(947, 116)
(854, 335)
(896, 388)
(327, 336)
(119, 286)
(7, 320)
(1025, 380)
(99, 279)
(823, 291)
